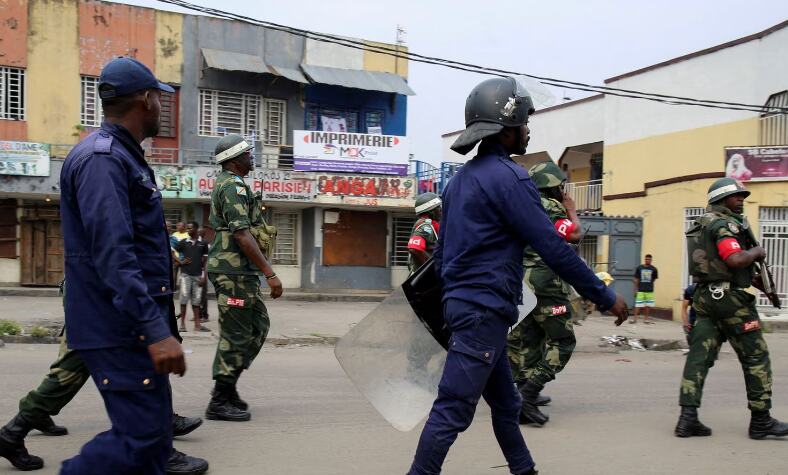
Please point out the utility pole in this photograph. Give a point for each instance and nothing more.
(401, 33)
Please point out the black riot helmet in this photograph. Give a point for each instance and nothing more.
(492, 105)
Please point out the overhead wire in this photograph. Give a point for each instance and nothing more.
(468, 67)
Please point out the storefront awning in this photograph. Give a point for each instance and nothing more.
(230, 61)
(368, 80)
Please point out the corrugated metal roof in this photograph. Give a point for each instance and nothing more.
(230, 61)
(369, 80)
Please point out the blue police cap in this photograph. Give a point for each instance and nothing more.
(123, 76)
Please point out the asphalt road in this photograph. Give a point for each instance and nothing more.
(612, 414)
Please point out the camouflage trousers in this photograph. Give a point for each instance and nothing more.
(243, 324)
(732, 317)
(541, 345)
(66, 377)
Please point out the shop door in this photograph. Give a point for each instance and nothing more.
(42, 252)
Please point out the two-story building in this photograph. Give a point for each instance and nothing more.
(338, 228)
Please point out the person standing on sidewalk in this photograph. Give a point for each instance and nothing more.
(193, 277)
(235, 264)
(203, 237)
(491, 211)
(645, 275)
(541, 345)
(117, 259)
(724, 269)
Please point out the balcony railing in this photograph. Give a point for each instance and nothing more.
(586, 194)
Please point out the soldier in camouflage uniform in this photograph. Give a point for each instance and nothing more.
(235, 264)
(723, 267)
(424, 234)
(65, 379)
(541, 345)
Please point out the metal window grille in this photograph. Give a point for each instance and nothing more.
(223, 113)
(92, 113)
(373, 119)
(169, 114)
(314, 113)
(173, 215)
(587, 252)
(12, 93)
(774, 126)
(275, 122)
(286, 248)
(774, 238)
(689, 218)
(401, 226)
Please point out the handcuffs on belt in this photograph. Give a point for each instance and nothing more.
(718, 289)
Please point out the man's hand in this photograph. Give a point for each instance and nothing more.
(276, 287)
(620, 310)
(202, 282)
(757, 282)
(167, 356)
(758, 253)
(687, 328)
(568, 202)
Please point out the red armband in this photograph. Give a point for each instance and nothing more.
(418, 243)
(565, 227)
(728, 247)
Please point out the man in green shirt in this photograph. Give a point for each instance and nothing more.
(235, 264)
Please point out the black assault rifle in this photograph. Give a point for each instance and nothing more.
(762, 269)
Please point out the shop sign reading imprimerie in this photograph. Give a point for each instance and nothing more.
(24, 158)
(346, 152)
(757, 163)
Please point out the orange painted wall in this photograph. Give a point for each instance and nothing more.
(13, 130)
(107, 30)
(13, 33)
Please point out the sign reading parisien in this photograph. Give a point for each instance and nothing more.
(757, 163)
(24, 158)
(346, 152)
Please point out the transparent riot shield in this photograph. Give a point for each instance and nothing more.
(395, 362)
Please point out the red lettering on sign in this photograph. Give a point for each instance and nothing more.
(418, 243)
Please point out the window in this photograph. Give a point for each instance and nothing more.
(689, 218)
(8, 224)
(316, 114)
(774, 126)
(173, 215)
(401, 226)
(373, 119)
(91, 104)
(169, 114)
(286, 248)
(275, 122)
(12, 93)
(223, 113)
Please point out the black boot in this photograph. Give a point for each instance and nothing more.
(221, 409)
(235, 400)
(181, 464)
(689, 425)
(533, 471)
(542, 400)
(530, 413)
(762, 424)
(12, 445)
(48, 427)
(184, 425)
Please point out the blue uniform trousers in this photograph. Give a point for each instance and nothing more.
(476, 366)
(139, 405)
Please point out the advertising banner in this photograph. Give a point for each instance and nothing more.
(350, 153)
(24, 158)
(275, 185)
(176, 183)
(366, 190)
(757, 163)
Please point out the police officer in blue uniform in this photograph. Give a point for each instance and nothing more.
(117, 262)
(491, 211)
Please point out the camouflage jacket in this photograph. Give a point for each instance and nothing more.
(707, 231)
(539, 277)
(423, 236)
(233, 207)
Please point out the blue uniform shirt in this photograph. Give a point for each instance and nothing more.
(117, 253)
(491, 210)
